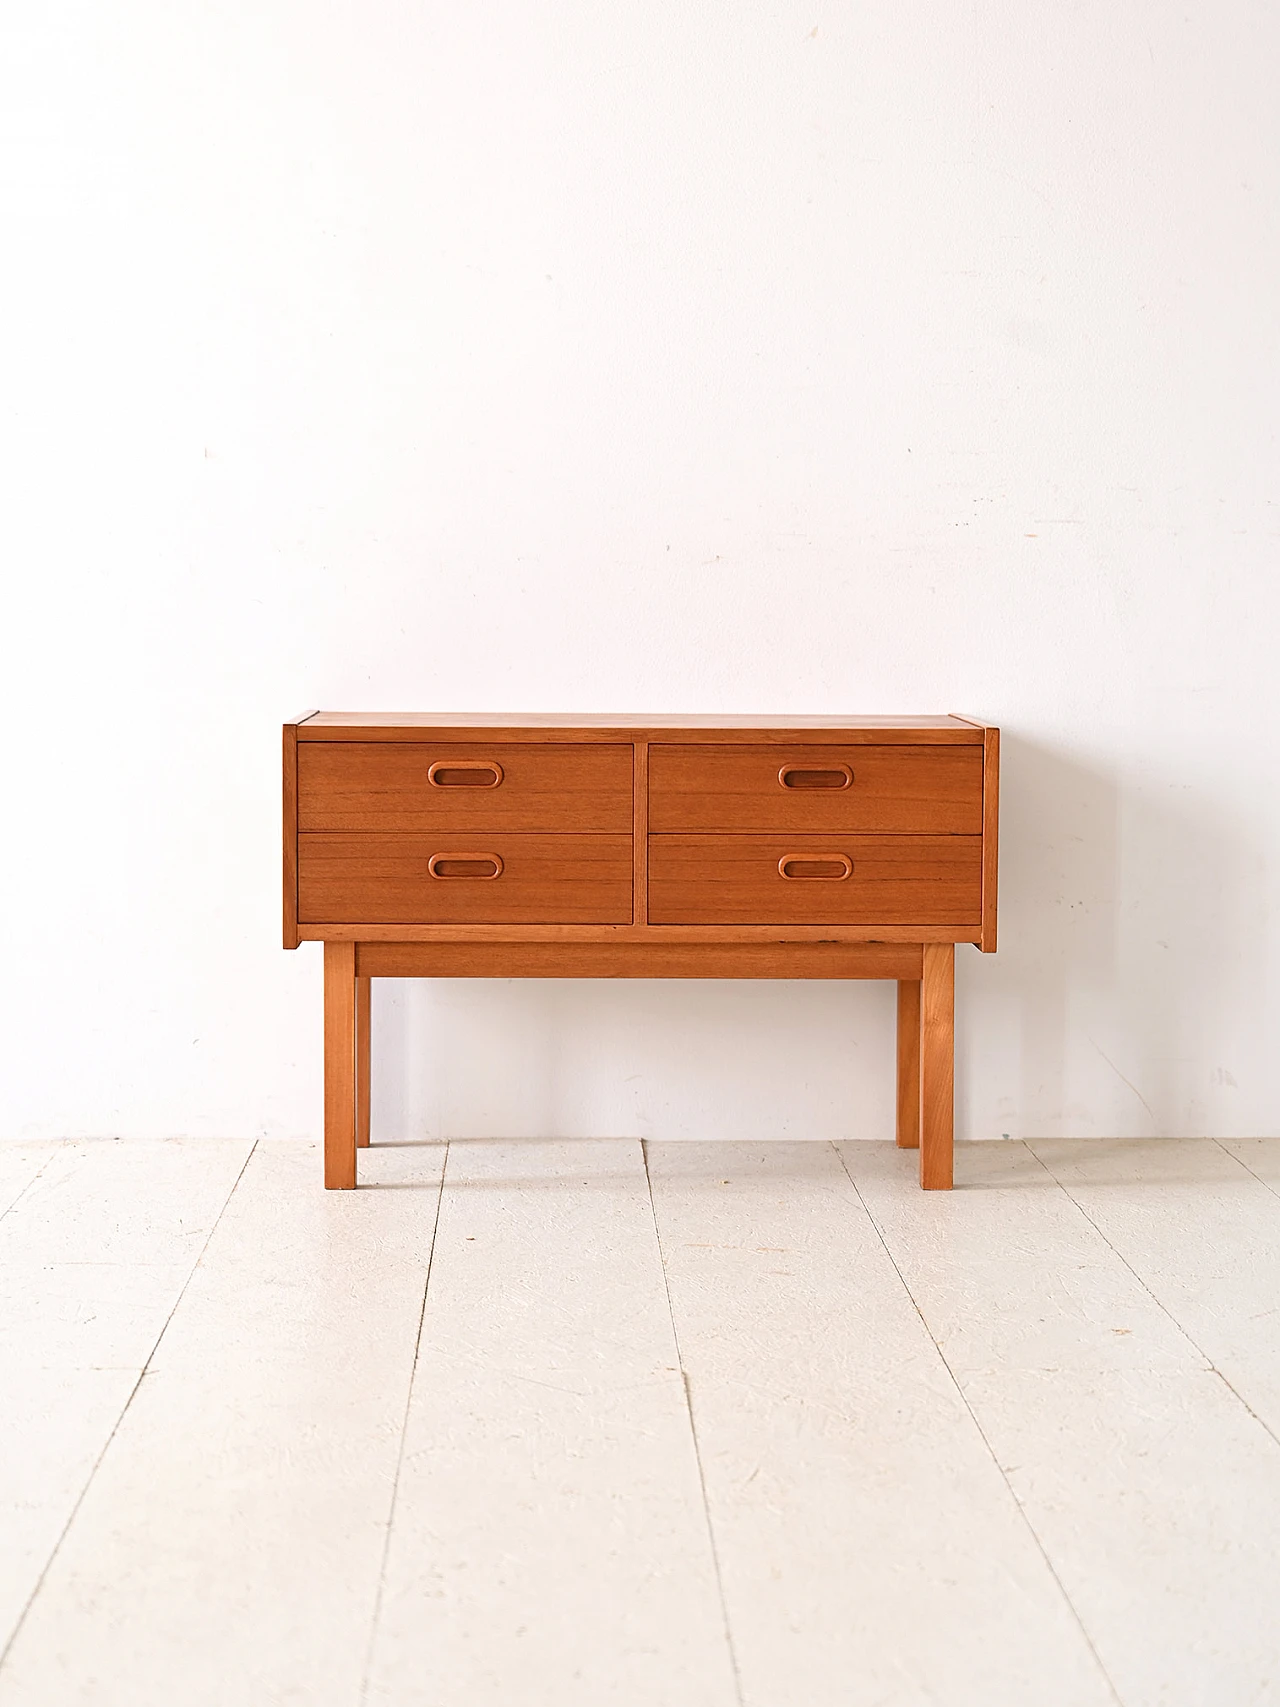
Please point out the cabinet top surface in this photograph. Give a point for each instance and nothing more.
(408, 725)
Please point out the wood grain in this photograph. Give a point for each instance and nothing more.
(339, 1066)
(364, 1006)
(937, 1067)
(908, 1128)
(534, 727)
(368, 931)
(896, 880)
(637, 960)
(367, 785)
(640, 834)
(290, 831)
(385, 879)
(990, 837)
(894, 790)
(990, 828)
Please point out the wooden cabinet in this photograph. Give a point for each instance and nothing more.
(452, 846)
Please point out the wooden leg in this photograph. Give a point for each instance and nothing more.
(339, 1066)
(909, 1064)
(362, 1061)
(937, 1066)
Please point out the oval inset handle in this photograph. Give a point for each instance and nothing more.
(448, 773)
(465, 865)
(828, 865)
(811, 776)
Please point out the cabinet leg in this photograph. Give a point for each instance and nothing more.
(909, 1064)
(339, 1066)
(937, 1066)
(363, 1004)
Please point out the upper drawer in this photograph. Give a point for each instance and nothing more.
(412, 785)
(891, 790)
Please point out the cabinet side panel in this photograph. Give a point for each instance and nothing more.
(640, 832)
(290, 816)
(990, 835)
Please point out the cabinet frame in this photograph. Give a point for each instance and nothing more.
(920, 959)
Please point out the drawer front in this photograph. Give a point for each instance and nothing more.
(839, 880)
(424, 785)
(401, 879)
(892, 790)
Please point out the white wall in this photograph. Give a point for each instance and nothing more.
(537, 354)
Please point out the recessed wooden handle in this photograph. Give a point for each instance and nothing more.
(465, 865)
(448, 773)
(807, 776)
(828, 865)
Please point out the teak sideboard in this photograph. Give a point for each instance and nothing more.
(447, 846)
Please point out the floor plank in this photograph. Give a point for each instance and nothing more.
(54, 1427)
(550, 1544)
(928, 1501)
(870, 1549)
(20, 1164)
(1157, 1497)
(94, 1254)
(1260, 1155)
(229, 1546)
(1203, 1234)
(1008, 1272)
(1153, 1491)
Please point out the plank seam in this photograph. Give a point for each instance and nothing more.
(367, 1679)
(982, 1433)
(1163, 1308)
(124, 1411)
(1240, 1159)
(38, 1175)
(693, 1434)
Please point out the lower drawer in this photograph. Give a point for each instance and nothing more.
(836, 880)
(405, 879)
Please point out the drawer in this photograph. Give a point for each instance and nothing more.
(894, 790)
(387, 878)
(839, 880)
(425, 785)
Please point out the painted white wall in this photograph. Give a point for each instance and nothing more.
(662, 355)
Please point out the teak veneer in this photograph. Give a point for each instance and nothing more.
(449, 846)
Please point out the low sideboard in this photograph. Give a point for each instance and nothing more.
(448, 846)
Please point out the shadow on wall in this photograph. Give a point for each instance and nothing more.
(1129, 974)
(1128, 982)
(662, 1058)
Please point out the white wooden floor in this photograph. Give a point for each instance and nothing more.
(540, 1425)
